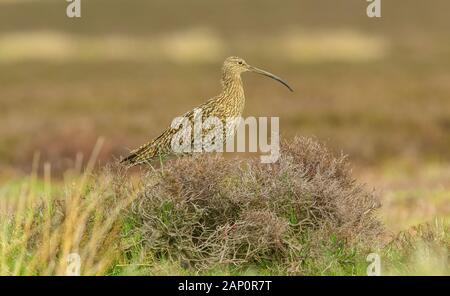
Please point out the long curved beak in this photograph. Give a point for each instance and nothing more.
(265, 73)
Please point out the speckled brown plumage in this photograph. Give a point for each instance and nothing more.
(229, 103)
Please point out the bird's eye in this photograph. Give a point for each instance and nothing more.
(240, 63)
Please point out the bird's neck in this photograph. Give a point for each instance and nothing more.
(232, 86)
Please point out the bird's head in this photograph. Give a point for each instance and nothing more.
(236, 65)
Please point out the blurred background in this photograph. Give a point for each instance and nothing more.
(376, 89)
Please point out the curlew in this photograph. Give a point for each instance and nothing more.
(228, 104)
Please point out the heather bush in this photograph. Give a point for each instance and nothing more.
(206, 211)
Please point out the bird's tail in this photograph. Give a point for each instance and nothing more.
(147, 152)
(142, 154)
(130, 159)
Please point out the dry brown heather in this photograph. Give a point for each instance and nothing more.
(208, 210)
